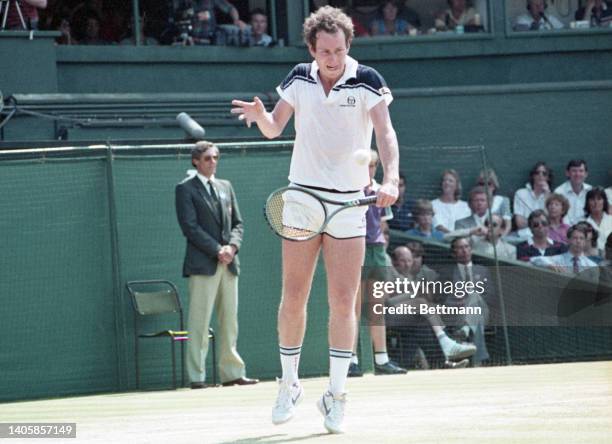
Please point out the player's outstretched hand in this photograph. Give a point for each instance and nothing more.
(387, 195)
(249, 111)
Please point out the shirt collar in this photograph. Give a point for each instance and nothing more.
(205, 179)
(350, 70)
(548, 240)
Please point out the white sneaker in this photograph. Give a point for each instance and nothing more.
(459, 350)
(288, 398)
(332, 408)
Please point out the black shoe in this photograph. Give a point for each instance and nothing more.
(389, 368)
(354, 371)
(198, 385)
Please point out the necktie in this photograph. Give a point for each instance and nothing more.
(468, 274)
(575, 264)
(211, 191)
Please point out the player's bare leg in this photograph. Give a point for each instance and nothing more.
(299, 262)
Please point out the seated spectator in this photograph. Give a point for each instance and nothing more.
(499, 204)
(145, 38)
(403, 218)
(423, 212)
(465, 271)
(536, 19)
(474, 224)
(575, 189)
(557, 207)
(419, 269)
(592, 239)
(448, 208)
(92, 31)
(259, 29)
(596, 12)
(29, 12)
(574, 261)
(453, 351)
(388, 22)
(540, 244)
(533, 196)
(493, 243)
(596, 211)
(457, 14)
(605, 275)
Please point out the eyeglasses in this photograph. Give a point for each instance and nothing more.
(540, 173)
(208, 158)
(494, 225)
(539, 223)
(482, 183)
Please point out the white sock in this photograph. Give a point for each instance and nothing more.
(290, 361)
(446, 343)
(354, 359)
(339, 361)
(381, 358)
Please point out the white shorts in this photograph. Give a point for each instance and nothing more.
(347, 224)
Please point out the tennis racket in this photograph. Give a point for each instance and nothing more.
(299, 214)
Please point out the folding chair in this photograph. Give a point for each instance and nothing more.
(158, 297)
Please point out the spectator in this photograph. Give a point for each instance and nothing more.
(145, 38)
(536, 19)
(499, 204)
(609, 194)
(453, 351)
(423, 211)
(574, 261)
(419, 269)
(388, 22)
(596, 210)
(474, 224)
(259, 29)
(410, 15)
(465, 271)
(575, 189)
(596, 12)
(29, 11)
(208, 214)
(557, 207)
(92, 31)
(376, 260)
(493, 243)
(457, 14)
(533, 196)
(448, 208)
(540, 244)
(592, 237)
(403, 218)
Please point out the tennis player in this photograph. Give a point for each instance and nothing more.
(337, 102)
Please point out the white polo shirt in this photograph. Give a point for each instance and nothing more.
(330, 129)
(576, 201)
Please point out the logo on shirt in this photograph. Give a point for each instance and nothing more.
(350, 102)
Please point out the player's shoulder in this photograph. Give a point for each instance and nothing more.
(370, 79)
(300, 73)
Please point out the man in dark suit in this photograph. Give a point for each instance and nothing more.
(209, 217)
(465, 271)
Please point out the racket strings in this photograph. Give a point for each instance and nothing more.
(294, 214)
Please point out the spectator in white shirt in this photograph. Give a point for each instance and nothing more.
(499, 204)
(448, 208)
(533, 196)
(596, 210)
(536, 19)
(574, 261)
(575, 189)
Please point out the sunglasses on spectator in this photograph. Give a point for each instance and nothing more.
(209, 157)
(495, 224)
(482, 183)
(539, 223)
(540, 173)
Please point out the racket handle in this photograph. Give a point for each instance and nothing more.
(366, 200)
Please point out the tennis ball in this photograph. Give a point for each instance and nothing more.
(362, 157)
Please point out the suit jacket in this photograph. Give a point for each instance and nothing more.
(205, 229)
(466, 222)
(479, 273)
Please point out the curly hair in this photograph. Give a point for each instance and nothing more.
(330, 20)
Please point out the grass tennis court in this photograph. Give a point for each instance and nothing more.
(514, 404)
